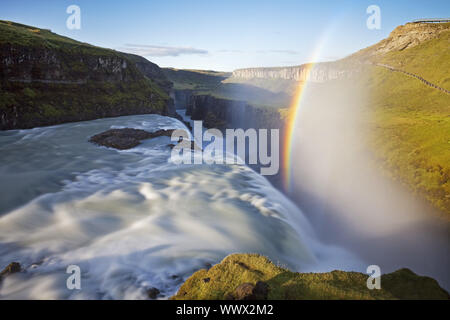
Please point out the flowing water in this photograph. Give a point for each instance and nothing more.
(132, 220)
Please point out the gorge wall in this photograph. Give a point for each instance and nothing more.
(220, 113)
(182, 98)
(319, 72)
(223, 114)
(48, 79)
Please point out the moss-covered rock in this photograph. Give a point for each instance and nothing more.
(238, 269)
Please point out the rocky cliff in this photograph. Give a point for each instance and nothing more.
(151, 71)
(221, 113)
(319, 72)
(48, 79)
(403, 37)
(182, 97)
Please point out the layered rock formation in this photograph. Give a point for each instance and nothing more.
(319, 72)
(49, 79)
(403, 37)
(151, 71)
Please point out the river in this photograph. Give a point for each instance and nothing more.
(133, 220)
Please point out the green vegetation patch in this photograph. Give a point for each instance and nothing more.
(201, 80)
(274, 85)
(28, 36)
(411, 133)
(430, 60)
(222, 280)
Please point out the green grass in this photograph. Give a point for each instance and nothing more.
(411, 121)
(198, 80)
(430, 59)
(411, 134)
(273, 85)
(237, 269)
(28, 36)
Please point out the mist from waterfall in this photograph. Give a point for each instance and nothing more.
(341, 187)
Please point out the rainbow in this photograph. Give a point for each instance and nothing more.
(293, 119)
(295, 108)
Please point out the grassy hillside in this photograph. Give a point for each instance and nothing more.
(195, 79)
(221, 281)
(411, 121)
(274, 85)
(48, 79)
(430, 59)
(28, 36)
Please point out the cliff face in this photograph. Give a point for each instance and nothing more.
(218, 113)
(403, 37)
(151, 71)
(41, 64)
(319, 72)
(182, 98)
(48, 79)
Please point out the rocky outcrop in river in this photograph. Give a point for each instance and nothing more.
(126, 138)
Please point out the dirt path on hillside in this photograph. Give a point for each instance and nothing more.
(426, 82)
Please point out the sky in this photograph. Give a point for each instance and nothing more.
(225, 35)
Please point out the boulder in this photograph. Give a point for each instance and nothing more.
(248, 291)
(126, 138)
(12, 268)
(153, 293)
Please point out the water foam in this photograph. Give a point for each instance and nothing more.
(133, 220)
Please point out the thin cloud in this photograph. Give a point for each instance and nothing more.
(161, 51)
(279, 51)
(230, 51)
(291, 52)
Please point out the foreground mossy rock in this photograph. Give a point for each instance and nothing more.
(248, 291)
(238, 269)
